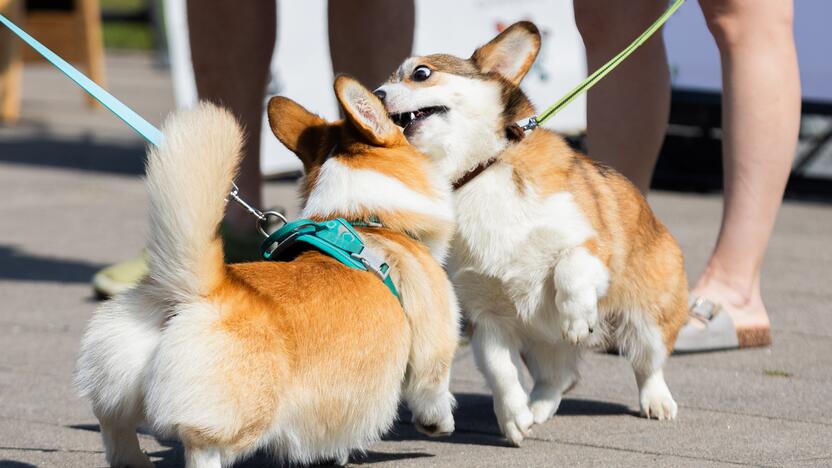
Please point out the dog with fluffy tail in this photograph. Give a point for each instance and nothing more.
(306, 358)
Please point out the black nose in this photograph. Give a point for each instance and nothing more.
(380, 93)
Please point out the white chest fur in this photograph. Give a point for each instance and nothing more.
(508, 243)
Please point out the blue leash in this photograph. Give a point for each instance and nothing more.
(336, 238)
(126, 114)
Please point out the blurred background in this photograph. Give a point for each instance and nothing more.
(152, 35)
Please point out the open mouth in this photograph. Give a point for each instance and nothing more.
(406, 119)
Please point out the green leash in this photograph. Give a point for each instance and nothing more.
(603, 71)
(337, 237)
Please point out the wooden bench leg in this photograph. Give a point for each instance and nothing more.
(93, 44)
(11, 64)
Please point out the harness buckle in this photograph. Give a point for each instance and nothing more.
(373, 263)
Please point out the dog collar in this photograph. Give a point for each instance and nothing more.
(334, 237)
(470, 175)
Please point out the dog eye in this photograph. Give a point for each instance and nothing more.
(421, 73)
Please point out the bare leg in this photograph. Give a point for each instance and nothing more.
(231, 47)
(368, 39)
(761, 115)
(639, 88)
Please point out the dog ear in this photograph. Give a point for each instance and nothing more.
(511, 53)
(366, 112)
(298, 129)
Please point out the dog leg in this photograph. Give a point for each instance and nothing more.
(554, 367)
(121, 444)
(580, 280)
(435, 334)
(204, 457)
(343, 459)
(498, 357)
(427, 392)
(641, 342)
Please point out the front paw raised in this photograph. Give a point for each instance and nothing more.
(577, 326)
(515, 423)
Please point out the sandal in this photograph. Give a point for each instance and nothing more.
(719, 332)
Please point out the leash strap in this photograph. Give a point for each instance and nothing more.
(604, 70)
(126, 114)
(336, 238)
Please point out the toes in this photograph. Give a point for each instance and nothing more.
(576, 330)
(518, 427)
(663, 409)
(440, 429)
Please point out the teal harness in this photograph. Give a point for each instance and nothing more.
(334, 237)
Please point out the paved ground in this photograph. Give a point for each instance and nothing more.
(73, 201)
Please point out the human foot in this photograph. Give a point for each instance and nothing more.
(724, 317)
(746, 309)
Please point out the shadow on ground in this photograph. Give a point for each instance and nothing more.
(16, 265)
(83, 154)
(14, 464)
(173, 455)
(475, 425)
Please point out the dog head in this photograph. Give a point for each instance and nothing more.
(363, 166)
(459, 111)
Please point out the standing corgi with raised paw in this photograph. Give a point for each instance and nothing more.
(553, 251)
(306, 359)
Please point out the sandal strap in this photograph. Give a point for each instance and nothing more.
(703, 309)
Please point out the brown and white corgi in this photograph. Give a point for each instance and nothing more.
(306, 359)
(553, 251)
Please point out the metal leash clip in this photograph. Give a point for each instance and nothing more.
(262, 217)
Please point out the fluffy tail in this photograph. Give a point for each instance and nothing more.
(189, 177)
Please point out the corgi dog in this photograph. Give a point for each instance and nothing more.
(308, 358)
(553, 252)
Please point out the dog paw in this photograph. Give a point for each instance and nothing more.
(134, 461)
(516, 424)
(543, 409)
(440, 429)
(578, 329)
(657, 402)
(342, 459)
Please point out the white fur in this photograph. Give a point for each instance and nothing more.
(458, 139)
(188, 178)
(641, 341)
(340, 189)
(518, 263)
(157, 353)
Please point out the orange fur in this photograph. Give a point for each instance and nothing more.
(645, 263)
(307, 357)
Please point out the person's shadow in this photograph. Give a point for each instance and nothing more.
(17, 265)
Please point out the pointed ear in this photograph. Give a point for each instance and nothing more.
(511, 53)
(298, 129)
(366, 112)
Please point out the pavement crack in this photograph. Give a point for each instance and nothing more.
(48, 450)
(646, 452)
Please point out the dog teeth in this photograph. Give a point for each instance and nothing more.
(412, 116)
